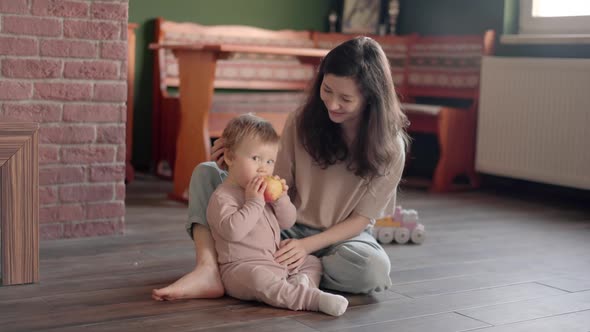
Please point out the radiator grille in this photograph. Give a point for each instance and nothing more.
(534, 120)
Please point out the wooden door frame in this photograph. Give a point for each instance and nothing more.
(19, 203)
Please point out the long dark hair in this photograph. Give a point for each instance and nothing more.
(382, 122)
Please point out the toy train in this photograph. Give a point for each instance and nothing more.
(402, 227)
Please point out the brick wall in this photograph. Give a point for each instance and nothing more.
(63, 65)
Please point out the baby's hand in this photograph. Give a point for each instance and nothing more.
(284, 183)
(255, 189)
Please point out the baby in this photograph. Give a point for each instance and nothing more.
(246, 229)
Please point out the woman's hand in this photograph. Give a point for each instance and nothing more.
(291, 254)
(217, 153)
(255, 189)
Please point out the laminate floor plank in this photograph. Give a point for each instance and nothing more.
(447, 322)
(426, 306)
(502, 314)
(574, 322)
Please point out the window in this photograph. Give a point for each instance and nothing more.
(554, 17)
(550, 8)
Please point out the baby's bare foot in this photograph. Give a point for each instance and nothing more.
(203, 282)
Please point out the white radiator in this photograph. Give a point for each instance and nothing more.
(534, 120)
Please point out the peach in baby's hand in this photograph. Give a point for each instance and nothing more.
(274, 189)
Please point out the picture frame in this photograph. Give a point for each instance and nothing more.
(361, 16)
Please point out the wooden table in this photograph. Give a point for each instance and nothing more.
(131, 39)
(196, 65)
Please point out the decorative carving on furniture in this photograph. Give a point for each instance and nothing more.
(447, 68)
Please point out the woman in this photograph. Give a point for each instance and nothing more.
(342, 154)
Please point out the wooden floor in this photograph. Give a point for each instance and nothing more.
(490, 263)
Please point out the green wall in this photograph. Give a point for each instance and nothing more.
(450, 17)
(270, 14)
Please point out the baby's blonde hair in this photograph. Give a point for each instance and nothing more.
(248, 126)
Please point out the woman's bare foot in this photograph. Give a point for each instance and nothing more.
(204, 282)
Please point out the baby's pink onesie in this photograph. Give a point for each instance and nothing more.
(247, 234)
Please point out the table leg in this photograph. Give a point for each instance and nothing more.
(197, 73)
